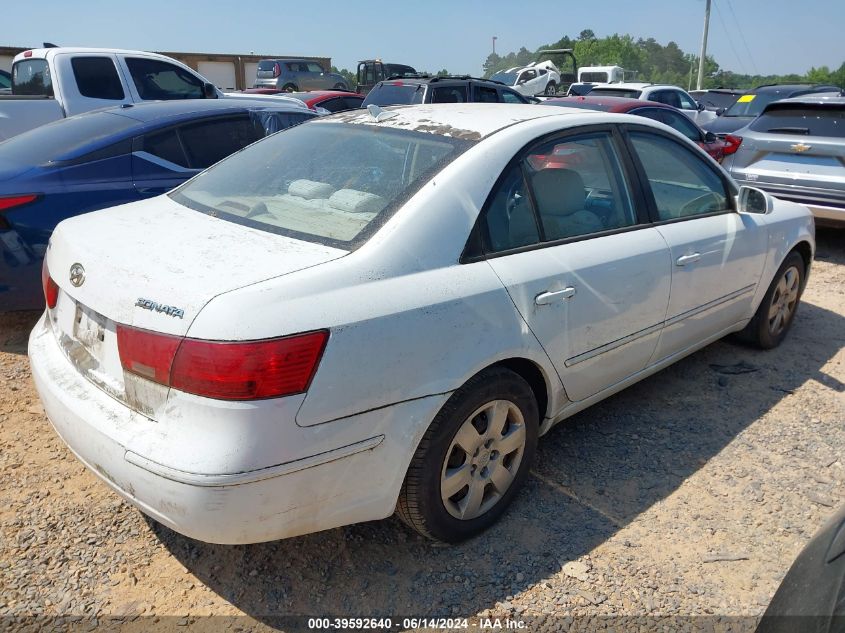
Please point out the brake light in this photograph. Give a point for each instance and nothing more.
(27, 54)
(732, 144)
(225, 370)
(10, 202)
(51, 290)
(277, 70)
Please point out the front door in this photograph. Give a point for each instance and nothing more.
(717, 254)
(588, 276)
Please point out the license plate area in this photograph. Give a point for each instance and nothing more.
(89, 330)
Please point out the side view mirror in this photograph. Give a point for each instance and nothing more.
(699, 105)
(720, 111)
(752, 200)
(521, 81)
(709, 137)
(209, 91)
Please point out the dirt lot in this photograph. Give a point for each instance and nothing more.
(688, 494)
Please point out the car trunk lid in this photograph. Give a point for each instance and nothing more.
(153, 265)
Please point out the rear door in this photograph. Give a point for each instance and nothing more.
(586, 271)
(797, 152)
(90, 81)
(717, 254)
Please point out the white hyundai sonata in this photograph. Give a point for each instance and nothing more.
(381, 311)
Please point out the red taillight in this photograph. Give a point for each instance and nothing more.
(732, 144)
(225, 370)
(277, 70)
(51, 290)
(27, 54)
(9, 202)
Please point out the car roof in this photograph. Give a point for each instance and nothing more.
(432, 80)
(818, 98)
(188, 108)
(777, 88)
(614, 104)
(41, 53)
(471, 121)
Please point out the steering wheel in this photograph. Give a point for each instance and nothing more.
(706, 203)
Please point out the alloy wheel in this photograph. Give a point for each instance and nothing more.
(784, 300)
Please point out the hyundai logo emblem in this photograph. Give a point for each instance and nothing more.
(77, 275)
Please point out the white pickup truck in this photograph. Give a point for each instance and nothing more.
(52, 83)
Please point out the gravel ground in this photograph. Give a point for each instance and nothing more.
(687, 494)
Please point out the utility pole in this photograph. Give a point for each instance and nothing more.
(703, 46)
(494, 44)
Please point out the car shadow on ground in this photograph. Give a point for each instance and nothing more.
(594, 474)
(14, 330)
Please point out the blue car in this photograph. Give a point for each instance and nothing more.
(110, 157)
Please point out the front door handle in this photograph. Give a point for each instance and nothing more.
(688, 259)
(549, 297)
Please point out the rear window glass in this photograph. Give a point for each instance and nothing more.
(266, 65)
(32, 77)
(752, 104)
(66, 139)
(616, 92)
(803, 120)
(96, 78)
(301, 183)
(395, 94)
(596, 77)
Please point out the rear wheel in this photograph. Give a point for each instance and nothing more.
(551, 88)
(473, 459)
(289, 88)
(776, 313)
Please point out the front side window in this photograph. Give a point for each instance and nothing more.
(97, 78)
(579, 187)
(509, 96)
(156, 80)
(682, 184)
(686, 102)
(674, 120)
(449, 94)
(302, 182)
(32, 77)
(669, 97)
(314, 67)
(484, 94)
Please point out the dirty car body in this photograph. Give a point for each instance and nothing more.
(301, 328)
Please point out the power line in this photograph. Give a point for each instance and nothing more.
(730, 40)
(742, 37)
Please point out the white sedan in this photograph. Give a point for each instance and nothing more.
(381, 311)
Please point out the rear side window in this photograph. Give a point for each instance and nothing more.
(156, 80)
(809, 121)
(449, 94)
(32, 77)
(395, 94)
(314, 67)
(97, 78)
(209, 142)
(683, 185)
(486, 95)
(166, 145)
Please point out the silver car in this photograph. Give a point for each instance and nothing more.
(795, 150)
(295, 75)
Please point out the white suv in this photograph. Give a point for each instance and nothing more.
(661, 93)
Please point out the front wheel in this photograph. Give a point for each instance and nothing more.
(774, 317)
(551, 89)
(473, 459)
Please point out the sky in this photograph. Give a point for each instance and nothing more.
(746, 36)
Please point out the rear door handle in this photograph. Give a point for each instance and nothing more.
(688, 259)
(549, 297)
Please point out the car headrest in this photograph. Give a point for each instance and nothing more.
(558, 191)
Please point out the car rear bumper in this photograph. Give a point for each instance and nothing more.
(352, 483)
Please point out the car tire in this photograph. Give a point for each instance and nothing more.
(551, 89)
(340, 86)
(290, 88)
(774, 317)
(464, 446)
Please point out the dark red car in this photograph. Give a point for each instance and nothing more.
(331, 100)
(674, 118)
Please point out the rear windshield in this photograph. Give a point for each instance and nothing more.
(803, 120)
(266, 65)
(395, 94)
(616, 92)
(596, 77)
(65, 139)
(717, 99)
(398, 69)
(32, 77)
(576, 103)
(303, 182)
